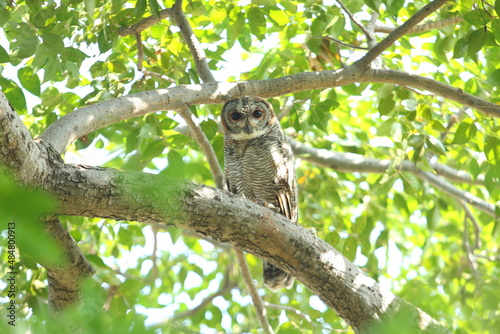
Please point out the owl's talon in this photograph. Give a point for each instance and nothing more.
(271, 206)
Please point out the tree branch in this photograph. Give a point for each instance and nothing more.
(205, 145)
(65, 278)
(74, 125)
(226, 287)
(252, 290)
(444, 90)
(424, 27)
(145, 23)
(349, 162)
(374, 52)
(230, 219)
(200, 59)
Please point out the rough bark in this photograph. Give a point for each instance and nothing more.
(227, 218)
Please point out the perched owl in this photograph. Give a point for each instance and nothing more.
(259, 165)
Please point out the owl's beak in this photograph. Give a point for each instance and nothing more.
(247, 128)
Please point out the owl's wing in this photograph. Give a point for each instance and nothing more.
(285, 203)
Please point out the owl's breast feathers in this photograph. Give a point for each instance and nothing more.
(262, 169)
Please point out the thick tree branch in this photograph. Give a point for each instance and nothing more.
(107, 193)
(65, 278)
(17, 150)
(374, 52)
(438, 88)
(67, 129)
(30, 162)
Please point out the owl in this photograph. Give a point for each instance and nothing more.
(259, 165)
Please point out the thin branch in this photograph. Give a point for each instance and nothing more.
(475, 226)
(374, 52)
(301, 314)
(340, 42)
(252, 289)
(140, 51)
(349, 162)
(469, 252)
(205, 145)
(226, 287)
(145, 23)
(353, 19)
(424, 27)
(199, 57)
(158, 75)
(140, 60)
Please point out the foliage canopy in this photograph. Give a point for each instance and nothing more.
(433, 249)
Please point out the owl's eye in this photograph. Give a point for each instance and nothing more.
(235, 115)
(257, 113)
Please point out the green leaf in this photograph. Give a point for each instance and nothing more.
(27, 48)
(29, 80)
(4, 16)
(210, 128)
(154, 8)
(4, 56)
(53, 43)
(140, 8)
(257, 22)
(478, 17)
(350, 248)
(460, 48)
(475, 41)
(436, 145)
(492, 150)
(280, 17)
(497, 7)
(386, 105)
(14, 94)
(72, 54)
(465, 132)
(89, 7)
(494, 78)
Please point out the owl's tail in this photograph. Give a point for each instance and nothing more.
(275, 278)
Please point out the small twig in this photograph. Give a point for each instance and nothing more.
(424, 27)
(226, 287)
(301, 314)
(340, 42)
(145, 23)
(374, 52)
(158, 75)
(205, 145)
(140, 51)
(351, 16)
(257, 301)
(475, 226)
(469, 252)
(199, 57)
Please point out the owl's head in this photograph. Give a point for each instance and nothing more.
(247, 117)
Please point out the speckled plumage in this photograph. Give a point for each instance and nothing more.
(259, 165)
